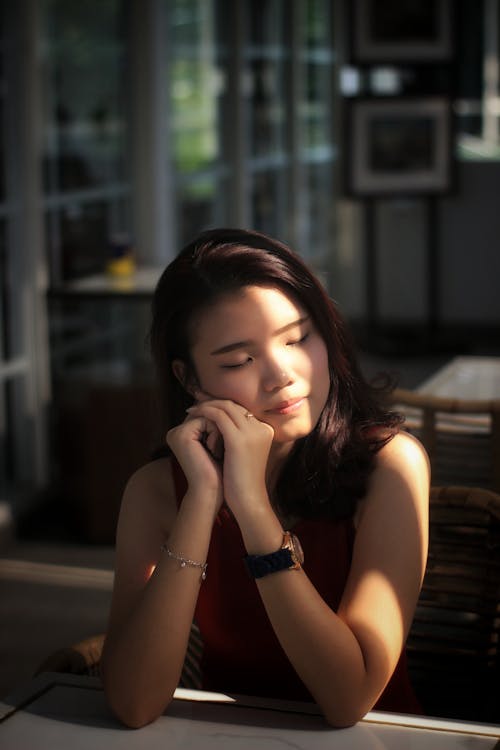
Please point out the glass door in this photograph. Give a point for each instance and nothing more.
(195, 83)
(24, 388)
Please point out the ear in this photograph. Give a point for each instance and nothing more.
(186, 379)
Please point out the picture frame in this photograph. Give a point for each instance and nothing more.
(385, 31)
(398, 146)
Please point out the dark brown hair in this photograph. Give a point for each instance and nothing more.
(327, 471)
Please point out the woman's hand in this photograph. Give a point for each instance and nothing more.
(197, 445)
(246, 445)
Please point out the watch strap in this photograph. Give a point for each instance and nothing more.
(259, 566)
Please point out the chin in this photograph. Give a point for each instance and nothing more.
(292, 433)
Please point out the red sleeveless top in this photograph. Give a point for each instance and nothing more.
(241, 651)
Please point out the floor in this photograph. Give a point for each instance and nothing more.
(52, 594)
(55, 591)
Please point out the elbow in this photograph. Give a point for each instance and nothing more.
(132, 707)
(132, 714)
(130, 719)
(342, 720)
(344, 714)
(126, 699)
(134, 721)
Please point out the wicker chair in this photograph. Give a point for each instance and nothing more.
(453, 647)
(84, 658)
(461, 437)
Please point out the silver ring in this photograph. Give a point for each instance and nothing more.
(248, 414)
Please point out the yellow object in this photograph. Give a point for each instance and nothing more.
(124, 266)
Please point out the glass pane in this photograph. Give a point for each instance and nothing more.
(268, 196)
(3, 195)
(79, 235)
(17, 450)
(104, 338)
(4, 88)
(265, 107)
(196, 207)
(5, 339)
(315, 108)
(194, 85)
(318, 28)
(264, 22)
(12, 301)
(316, 112)
(20, 456)
(85, 124)
(6, 442)
(196, 88)
(320, 204)
(264, 85)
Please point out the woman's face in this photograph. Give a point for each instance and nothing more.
(259, 348)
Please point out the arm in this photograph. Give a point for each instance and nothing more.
(154, 598)
(346, 658)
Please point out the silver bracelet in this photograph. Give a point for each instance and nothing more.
(185, 561)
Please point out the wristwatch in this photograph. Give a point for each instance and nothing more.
(289, 557)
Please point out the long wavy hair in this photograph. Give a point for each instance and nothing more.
(327, 472)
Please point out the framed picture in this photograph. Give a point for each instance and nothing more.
(391, 31)
(398, 146)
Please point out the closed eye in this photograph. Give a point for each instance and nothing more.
(239, 365)
(236, 366)
(299, 341)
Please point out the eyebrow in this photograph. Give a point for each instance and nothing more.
(244, 344)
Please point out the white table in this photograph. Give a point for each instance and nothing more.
(65, 711)
(467, 378)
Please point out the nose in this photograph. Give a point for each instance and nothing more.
(277, 376)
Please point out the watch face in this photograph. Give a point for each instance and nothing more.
(297, 550)
(292, 543)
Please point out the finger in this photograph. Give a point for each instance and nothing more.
(236, 412)
(215, 443)
(225, 422)
(210, 410)
(204, 429)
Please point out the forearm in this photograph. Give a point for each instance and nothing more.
(343, 676)
(322, 648)
(144, 654)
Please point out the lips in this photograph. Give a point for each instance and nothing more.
(287, 407)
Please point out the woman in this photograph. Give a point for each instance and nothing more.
(274, 441)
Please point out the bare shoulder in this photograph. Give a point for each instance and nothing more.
(147, 514)
(403, 453)
(155, 476)
(402, 464)
(401, 477)
(150, 495)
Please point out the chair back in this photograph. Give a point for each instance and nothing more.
(461, 437)
(453, 647)
(84, 658)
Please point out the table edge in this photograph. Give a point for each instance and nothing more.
(42, 683)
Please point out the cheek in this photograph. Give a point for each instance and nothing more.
(235, 388)
(320, 370)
